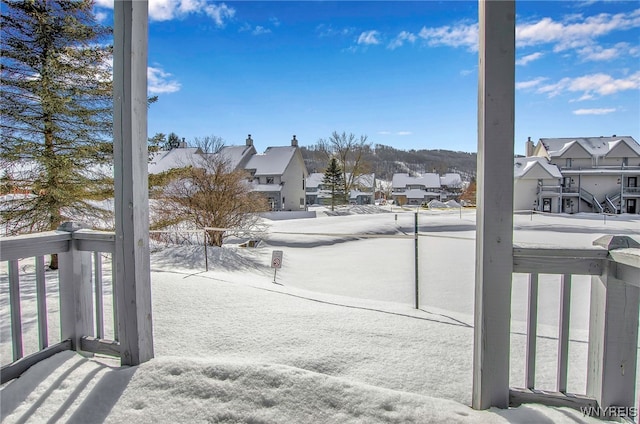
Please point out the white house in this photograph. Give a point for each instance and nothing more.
(280, 174)
(598, 174)
(537, 185)
(363, 191)
(408, 190)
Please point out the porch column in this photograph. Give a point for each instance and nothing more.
(494, 234)
(131, 183)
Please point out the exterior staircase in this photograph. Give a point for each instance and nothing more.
(612, 203)
(591, 201)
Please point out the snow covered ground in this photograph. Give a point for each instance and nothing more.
(336, 340)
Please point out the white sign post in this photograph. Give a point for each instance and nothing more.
(276, 262)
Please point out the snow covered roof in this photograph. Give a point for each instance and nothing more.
(236, 155)
(451, 180)
(426, 180)
(595, 146)
(314, 180)
(273, 161)
(165, 160)
(522, 166)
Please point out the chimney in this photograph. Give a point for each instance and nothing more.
(183, 144)
(528, 147)
(249, 140)
(294, 142)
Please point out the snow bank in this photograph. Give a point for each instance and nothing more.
(70, 388)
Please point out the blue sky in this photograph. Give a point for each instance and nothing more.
(403, 73)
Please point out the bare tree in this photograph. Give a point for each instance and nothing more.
(350, 152)
(207, 193)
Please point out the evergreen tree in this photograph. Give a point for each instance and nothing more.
(173, 141)
(56, 106)
(333, 179)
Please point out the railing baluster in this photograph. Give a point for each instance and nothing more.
(532, 329)
(563, 333)
(114, 301)
(41, 295)
(16, 314)
(97, 262)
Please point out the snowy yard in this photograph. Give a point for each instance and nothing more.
(336, 340)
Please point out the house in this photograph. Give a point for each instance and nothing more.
(537, 185)
(451, 184)
(362, 192)
(408, 190)
(280, 174)
(598, 174)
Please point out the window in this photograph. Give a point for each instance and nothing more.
(568, 163)
(269, 180)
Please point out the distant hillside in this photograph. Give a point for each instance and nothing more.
(386, 161)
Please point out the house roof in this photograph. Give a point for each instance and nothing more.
(165, 160)
(522, 166)
(451, 180)
(235, 155)
(427, 180)
(273, 161)
(314, 179)
(595, 146)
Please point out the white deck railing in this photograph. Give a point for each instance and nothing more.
(614, 264)
(80, 293)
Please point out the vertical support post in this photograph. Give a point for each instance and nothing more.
(76, 303)
(206, 254)
(16, 313)
(613, 331)
(131, 181)
(97, 271)
(532, 332)
(114, 298)
(416, 260)
(41, 295)
(563, 333)
(494, 236)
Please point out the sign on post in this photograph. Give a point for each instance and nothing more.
(276, 262)
(276, 259)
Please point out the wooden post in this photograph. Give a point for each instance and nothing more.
(494, 236)
(76, 293)
(613, 331)
(131, 181)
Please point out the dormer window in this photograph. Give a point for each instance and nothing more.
(269, 180)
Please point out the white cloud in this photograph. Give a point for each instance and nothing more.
(165, 10)
(404, 133)
(466, 72)
(529, 58)
(219, 13)
(599, 53)
(369, 37)
(459, 35)
(324, 30)
(593, 111)
(574, 32)
(523, 85)
(401, 38)
(160, 82)
(592, 85)
(101, 16)
(259, 30)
